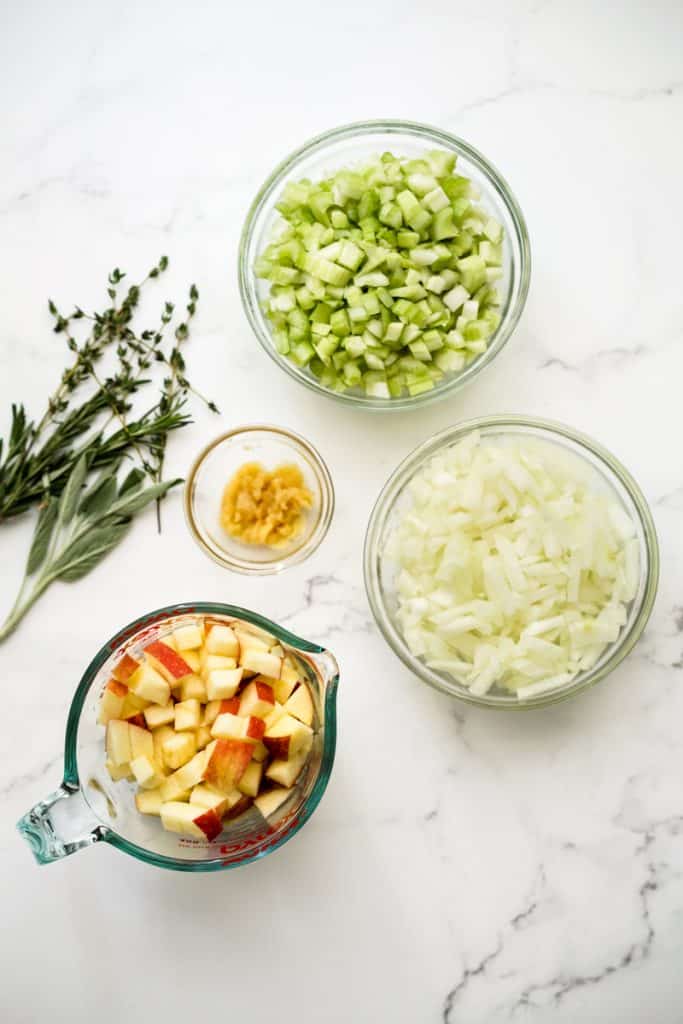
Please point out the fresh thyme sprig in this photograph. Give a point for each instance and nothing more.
(38, 457)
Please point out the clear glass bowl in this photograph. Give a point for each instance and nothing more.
(608, 473)
(343, 147)
(214, 467)
(89, 807)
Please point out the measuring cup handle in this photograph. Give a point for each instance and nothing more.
(59, 825)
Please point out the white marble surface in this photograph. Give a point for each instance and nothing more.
(464, 866)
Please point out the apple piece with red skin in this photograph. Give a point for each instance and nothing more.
(257, 699)
(125, 668)
(211, 799)
(268, 803)
(138, 719)
(167, 661)
(300, 705)
(231, 706)
(260, 751)
(287, 737)
(112, 701)
(209, 823)
(239, 807)
(229, 726)
(227, 763)
(179, 817)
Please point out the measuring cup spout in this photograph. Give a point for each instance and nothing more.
(59, 825)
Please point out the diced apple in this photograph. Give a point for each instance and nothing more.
(222, 640)
(118, 771)
(125, 668)
(278, 651)
(238, 807)
(186, 777)
(172, 789)
(257, 699)
(251, 780)
(250, 641)
(178, 817)
(179, 748)
(285, 685)
(167, 661)
(231, 705)
(132, 705)
(145, 771)
(159, 736)
(211, 799)
(148, 801)
(228, 726)
(193, 688)
(203, 735)
(260, 751)
(117, 742)
(150, 685)
(211, 712)
(223, 683)
(156, 715)
(141, 742)
(191, 658)
(287, 771)
(188, 638)
(187, 715)
(209, 823)
(227, 763)
(260, 662)
(112, 701)
(268, 803)
(215, 662)
(300, 704)
(287, 737)
(275, 715)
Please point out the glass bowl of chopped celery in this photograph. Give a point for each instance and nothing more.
(384, 264)
(511, 562)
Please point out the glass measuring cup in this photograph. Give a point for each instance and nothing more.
(89, 807)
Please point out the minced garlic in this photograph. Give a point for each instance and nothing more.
(264, 507)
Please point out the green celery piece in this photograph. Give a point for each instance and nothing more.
(440, 162)
(339, 322)
(338, 219)
(350, 255)
(407, 239)
(368, 204)
(420, 351)
(390, 214)
(443, 225)
(472, 272)
(321, 314)
(302, 353)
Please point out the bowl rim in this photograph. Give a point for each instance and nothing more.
(307, 547)
(509, 317)
(71, 778)
(611, 466)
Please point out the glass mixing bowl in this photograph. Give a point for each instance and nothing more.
(89, 807)
(343, 147)
(214, 467)
(608, 474)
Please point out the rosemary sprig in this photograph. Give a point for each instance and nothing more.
(39, 456)
(75, 531)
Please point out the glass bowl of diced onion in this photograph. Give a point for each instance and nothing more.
(371, 379)
(469, 485)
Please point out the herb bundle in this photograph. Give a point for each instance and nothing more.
(50, 461)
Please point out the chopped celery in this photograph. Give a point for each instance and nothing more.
(384, 278)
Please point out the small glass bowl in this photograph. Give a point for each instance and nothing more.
(608, 474)
(272, 446)
(343, 147)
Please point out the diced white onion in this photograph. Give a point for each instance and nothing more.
(515, 570)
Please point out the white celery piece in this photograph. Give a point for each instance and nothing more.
(532, 577)
(379, 274)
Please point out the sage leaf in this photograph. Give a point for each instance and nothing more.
(86, 551)
(129, 504)
(99, 498)
(132, 481)
(71, 493)
(42, 536)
